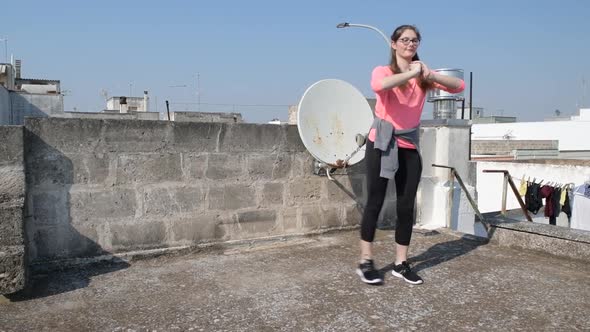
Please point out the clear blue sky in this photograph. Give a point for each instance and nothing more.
(528, 57)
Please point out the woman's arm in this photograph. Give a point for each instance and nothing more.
(452, 84)
(394, 80)
(443, 82)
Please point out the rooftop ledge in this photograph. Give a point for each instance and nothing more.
(554, 240)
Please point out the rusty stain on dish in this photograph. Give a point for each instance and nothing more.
(337, 127)
(317, 138)
(340, 164)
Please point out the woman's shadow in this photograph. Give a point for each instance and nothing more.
(53, 244)
(441, 252)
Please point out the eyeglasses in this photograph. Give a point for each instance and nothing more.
(406, 41)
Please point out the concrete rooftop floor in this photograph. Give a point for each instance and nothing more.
(309, 284)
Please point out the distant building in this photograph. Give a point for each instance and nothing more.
(569, 135)
(38, 86)
(26, 97)
(478, 116)
(464, 114)
(128, 104)
(293, 114)
(494, 119)
(277, 122)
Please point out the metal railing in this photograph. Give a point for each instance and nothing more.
(454, 175)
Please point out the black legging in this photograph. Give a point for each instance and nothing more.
(407, 178)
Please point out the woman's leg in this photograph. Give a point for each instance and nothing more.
(376, 189)
(407, 179)
(376, 186)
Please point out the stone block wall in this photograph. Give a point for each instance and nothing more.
(108, 186)
(12, 196)
(491, 147)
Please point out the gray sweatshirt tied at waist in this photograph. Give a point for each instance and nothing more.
(385, 141)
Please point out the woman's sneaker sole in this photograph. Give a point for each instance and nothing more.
(367, 281)
(395, 274)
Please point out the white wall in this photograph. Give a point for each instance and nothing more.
(440, 204)
(489, 185)
(132, 102)
(34, 105)
(569, 133)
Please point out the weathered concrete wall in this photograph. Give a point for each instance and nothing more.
(206, 117)
(34, 105)
(108, 186)
(111, 115)
(12, 196)
(98, 186)
(507, 146)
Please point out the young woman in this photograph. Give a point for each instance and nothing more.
(391, 150)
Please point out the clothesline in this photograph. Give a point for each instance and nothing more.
(569, 198)
(568, 185)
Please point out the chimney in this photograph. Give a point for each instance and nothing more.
(123, 104)
(18, 67)
(145, 101)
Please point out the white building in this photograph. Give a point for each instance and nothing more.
(128, 104)
(571, 134)
(25, 97)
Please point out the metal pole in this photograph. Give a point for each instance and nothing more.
(470, 109)
(520, 202)
(470, 95)
(463, 109)
(6, 50)
(504, 192)
(469, 198)
(198, 92)
(168, 109)
(514, 190)
(451, 196)
(346, 25)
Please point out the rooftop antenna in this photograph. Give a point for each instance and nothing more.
(198, 92)
(333, 120)
(104, 94)
(583, 103)
(5, 40)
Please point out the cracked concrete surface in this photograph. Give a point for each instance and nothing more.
(309, 284)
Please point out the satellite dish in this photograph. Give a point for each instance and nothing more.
(333, 120)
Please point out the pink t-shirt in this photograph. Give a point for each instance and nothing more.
(400, 106)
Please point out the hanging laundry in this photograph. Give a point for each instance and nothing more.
(566, 207)
(523, 187)
(547, 193)
(563, 195)
(556, 206)
(532, 198)
(581, 207)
